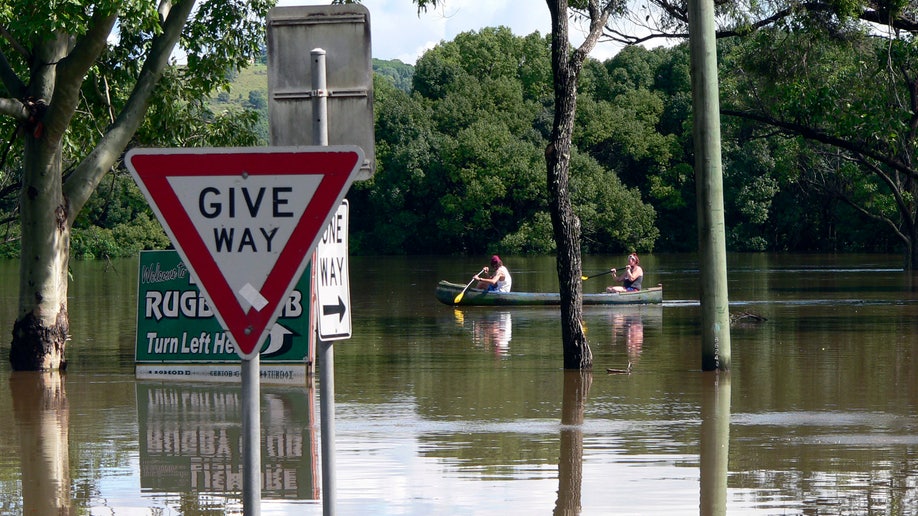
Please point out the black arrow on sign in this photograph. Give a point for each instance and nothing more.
(335, 309)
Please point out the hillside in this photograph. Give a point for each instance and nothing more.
(249, 89)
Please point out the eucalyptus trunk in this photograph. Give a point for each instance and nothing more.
(42, 325)
(44, 104)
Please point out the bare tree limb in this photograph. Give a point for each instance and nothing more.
(811, 133)
(13, 108)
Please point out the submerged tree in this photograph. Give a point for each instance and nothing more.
(567, 63)
(566, 68)
(78, 79)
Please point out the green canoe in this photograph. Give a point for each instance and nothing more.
(447, 292)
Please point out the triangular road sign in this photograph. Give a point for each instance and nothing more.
(245, 221)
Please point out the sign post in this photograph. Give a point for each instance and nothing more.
(246, 222)
(336, 96)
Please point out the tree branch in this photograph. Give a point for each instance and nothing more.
(819, 136)
(80, 185)
(13, 108)
(73, 68)
(675, 10)
(598, 18)
(9, 78)
(15, 43)
(896, 191)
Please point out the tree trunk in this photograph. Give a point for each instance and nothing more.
(48, 206)
(42, 415)
(565, 224)
(42, 325)
(570, 462)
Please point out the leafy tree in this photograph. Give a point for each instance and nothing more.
(850, 95)
(396, 72)
(566, 68)
(79, 80)
(461, 159)
(839, 76)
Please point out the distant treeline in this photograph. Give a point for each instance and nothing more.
(461, 137)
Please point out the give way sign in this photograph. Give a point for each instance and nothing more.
(245, 221)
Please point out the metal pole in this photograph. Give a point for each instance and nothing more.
(326, 355)
(319, 98)
(715, 309)
(251, 437)
(327, 424)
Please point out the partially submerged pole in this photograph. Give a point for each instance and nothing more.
(326, 349)
(715, 313)
(251, 432)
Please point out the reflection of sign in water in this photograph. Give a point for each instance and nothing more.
(175, 325)
(190, 441)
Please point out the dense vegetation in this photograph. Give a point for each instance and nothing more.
(461, 138)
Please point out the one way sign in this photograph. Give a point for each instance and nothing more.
(333, 295)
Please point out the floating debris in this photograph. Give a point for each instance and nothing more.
(620, 371)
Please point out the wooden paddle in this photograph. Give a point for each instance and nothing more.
(459, 297)
(584, 278)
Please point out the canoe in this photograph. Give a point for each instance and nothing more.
(447, 292)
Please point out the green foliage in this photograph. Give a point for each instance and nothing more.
(461, 159)
(396, 72)
(461, 137)
(221, 38)
(845, 95)
(613, 219)
(116, 222)
(533, 237)
(124, 240)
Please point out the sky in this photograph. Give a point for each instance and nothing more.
(398, 32)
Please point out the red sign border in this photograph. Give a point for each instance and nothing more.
(152, 167)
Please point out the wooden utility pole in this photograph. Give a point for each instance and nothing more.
(715, 312)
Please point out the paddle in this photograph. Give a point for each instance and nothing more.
(584, 278)
(459, 297)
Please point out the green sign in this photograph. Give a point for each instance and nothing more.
(176, 325)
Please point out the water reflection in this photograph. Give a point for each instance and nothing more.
(191, 442)
(432, 420)
(715, 442)
(570, 463)
(491, 330)
(628, 327)
(43, 420)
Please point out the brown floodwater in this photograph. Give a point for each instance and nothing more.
(468, 411)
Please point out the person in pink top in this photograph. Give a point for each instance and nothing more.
(632, 277)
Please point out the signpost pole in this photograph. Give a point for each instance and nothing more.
(251, 437)
(326, 356)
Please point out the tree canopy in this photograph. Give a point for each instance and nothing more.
(79, 81)
(816, 156)
(462, 159)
